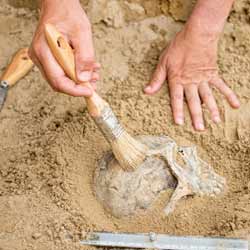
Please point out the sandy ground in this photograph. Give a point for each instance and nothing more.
(49, 146)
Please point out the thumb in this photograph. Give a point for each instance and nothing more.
(157, 79)
(84, 56)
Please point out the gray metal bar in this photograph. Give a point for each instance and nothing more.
(161, 241)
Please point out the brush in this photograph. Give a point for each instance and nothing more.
(129, 152)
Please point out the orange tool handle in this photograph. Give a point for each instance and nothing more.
(20, 65)
(65, 57)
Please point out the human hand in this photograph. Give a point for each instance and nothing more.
(70, 19)
(189, 64)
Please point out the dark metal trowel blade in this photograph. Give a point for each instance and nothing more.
(3, 93)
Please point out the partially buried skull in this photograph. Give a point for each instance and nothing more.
(124, 193)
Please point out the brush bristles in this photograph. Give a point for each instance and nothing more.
(129, 152)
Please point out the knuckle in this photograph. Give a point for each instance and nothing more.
(158, 75)
(37, 49)
(164, 56)
(207, 97)
(155, 80)
(190, 98)
(177, 96)
(231, 96)
(214, 111)
(98, 65)
(230, 93)
(177, 110)
(161, 67)
(196, 114)
(218, 84)
(55, 85)
(85, 62)
(35, 46)
(96, 76)
(30, 53)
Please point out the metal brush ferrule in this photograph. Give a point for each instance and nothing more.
(4, 84)
(109, 124)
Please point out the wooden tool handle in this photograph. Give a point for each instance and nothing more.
(64, 55)
(20, 65)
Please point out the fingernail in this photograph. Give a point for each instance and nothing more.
(148, 88)
(200, 126)
(84, 76)
(237, 103)
(179, 121)
(217, 119)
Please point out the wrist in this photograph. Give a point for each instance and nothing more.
(204, 26)
(202, 29)
(208, 17)
(61, 10)
(54, 5)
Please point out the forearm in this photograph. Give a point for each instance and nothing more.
(209, 16)
(48, 3)
(56, 11)
(51, 6)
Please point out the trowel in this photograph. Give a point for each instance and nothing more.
(20, 65)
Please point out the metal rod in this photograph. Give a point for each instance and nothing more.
(161, 241)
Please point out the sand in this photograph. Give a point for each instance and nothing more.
(49, 146)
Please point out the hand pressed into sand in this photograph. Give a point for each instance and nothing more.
(189, 64)
(71, 20)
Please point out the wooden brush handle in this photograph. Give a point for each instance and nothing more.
(20, 65)
(64, 55)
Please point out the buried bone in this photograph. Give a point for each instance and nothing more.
(125, 193)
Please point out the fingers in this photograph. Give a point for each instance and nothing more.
(37, 63)
(56, 76)
(97, 66)
(65, 85)
(208, 98)
(84, 55)
(227, 92)
(95, 77)
(194, 105)
(176, 95)
(157, 80)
